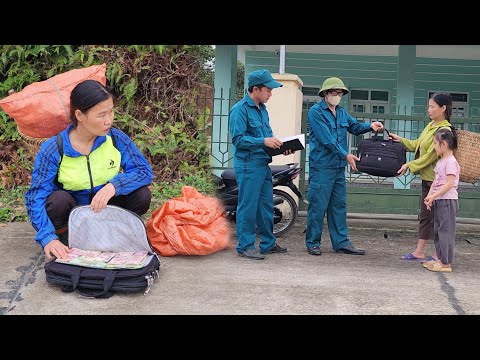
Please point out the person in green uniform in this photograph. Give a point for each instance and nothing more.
(327, 191)
(251, 133)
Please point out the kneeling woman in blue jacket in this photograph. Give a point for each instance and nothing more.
(82, 166)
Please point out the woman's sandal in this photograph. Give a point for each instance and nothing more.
(428, 258)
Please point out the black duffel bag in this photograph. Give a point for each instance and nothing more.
(112, 230)
(101, 283)
(380, 157)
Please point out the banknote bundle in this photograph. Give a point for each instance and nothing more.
(106, 260)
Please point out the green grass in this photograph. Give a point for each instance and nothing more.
(12, 204)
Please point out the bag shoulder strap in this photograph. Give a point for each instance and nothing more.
(114, 141)
(60, 151)
(60, 147)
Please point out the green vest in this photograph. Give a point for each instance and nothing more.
(88, 171)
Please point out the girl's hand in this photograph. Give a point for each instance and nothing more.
(428, 201)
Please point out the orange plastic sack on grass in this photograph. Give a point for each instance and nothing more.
(42, 109)
(193, 224)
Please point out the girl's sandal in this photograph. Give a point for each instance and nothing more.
(437, 267)
(426, 264)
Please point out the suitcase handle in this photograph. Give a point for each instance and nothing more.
(99, 294)
(376, 134)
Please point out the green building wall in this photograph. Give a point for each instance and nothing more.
(379, 73)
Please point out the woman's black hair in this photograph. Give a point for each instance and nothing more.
(443, 98)
(86, 95)
(449, 135)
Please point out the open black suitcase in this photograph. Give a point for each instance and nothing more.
(380, 157)
(113, 229)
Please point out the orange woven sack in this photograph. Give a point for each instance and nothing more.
(193, 224)
(42, 109)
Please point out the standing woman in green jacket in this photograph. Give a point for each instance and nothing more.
(440, 111)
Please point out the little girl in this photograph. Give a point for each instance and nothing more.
(444, 192)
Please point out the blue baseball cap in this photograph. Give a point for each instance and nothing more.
(263, 76)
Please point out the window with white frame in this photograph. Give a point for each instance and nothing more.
(370, 101)
(310, 95)
(459, 103)
(367, 101)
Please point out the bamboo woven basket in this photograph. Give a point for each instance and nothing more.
(468, 156)
(31, 144)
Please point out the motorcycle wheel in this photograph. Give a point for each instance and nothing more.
(288, 208)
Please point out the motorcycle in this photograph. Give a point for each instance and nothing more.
(285, 209)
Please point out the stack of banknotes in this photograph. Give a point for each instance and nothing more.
(106, 260)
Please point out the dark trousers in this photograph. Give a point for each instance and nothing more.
(255, 206)
(445, 228)
(60, 203)
(327, 193)
(425, 228)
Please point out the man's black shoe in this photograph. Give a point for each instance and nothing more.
(314, 250)
(251, 254)
(275, 249)
(350, 249)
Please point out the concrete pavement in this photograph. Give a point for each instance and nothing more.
(290, 283)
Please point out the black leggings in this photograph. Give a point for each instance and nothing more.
(60, 203)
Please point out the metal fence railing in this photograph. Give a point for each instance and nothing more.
(407, 126)
(213, 112)
(213, 107)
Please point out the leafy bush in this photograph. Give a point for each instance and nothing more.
(156, 87)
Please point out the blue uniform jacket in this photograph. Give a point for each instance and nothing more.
(328, 135)
(249, 126)
(137, 172)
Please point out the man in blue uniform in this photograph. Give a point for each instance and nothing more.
(327, 192)
(251, 132)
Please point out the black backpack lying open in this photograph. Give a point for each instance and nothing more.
(113, 229)
(381, 157)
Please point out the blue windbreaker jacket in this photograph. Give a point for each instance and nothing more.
(137, 173)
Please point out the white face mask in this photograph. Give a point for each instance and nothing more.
(334, 100)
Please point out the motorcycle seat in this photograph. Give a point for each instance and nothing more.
(229, 174)
(278, 168)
